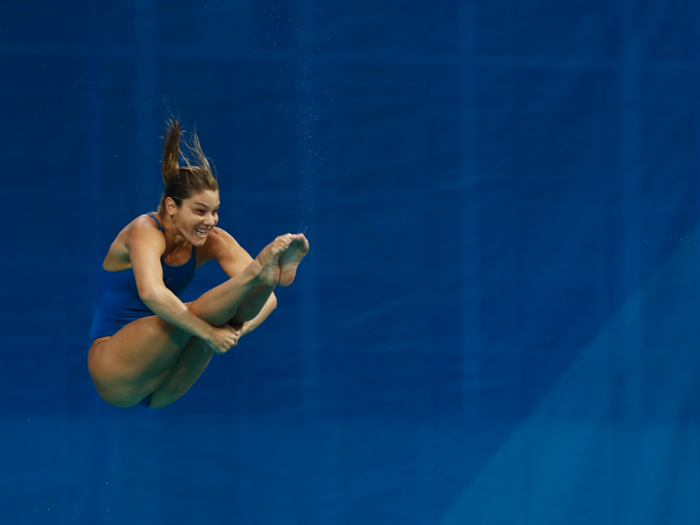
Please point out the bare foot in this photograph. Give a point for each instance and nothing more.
(269, 260)
(291, 258)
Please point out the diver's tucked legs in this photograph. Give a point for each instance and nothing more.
(137, 359)
(252, 305)
(219, 305)
(288, 262)
(194, 358)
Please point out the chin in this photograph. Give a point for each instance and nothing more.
(198, 241)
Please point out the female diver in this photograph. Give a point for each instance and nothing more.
(152, 360)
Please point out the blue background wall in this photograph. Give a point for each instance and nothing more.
(498, 320)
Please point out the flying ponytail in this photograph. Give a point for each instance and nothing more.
(171, 150)
(182, 182)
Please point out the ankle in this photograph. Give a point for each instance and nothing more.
(253, 271)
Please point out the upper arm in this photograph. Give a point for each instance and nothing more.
(224, 249)
(146, 244)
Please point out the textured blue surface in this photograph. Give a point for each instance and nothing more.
(498, 320)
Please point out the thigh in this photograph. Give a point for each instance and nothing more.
(136, 360)
(193, 360)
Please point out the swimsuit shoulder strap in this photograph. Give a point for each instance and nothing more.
(152, 217)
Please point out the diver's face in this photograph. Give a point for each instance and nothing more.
(197, 216)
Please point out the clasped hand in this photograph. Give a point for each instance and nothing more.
(226, 336)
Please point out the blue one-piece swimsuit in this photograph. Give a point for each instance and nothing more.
(119, 302)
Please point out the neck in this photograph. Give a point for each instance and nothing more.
(173, 238)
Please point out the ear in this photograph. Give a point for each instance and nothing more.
(170, 206)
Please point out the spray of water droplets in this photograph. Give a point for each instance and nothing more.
(673, 239)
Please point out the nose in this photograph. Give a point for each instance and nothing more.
(210, 219)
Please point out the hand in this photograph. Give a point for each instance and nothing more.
(223, 338)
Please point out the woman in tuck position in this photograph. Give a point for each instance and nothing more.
(148, 347)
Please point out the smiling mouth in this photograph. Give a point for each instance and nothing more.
(201, 233)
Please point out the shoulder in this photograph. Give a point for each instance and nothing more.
(218, 243)
(143, 230)
(141, 234)
(145, 221)
(224, 249)
(222, 238)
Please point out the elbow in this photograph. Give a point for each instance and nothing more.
(149, 295)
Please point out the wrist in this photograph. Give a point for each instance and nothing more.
(208, 334)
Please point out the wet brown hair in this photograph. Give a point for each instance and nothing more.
(182, 182)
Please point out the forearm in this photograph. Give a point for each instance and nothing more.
(168, 307)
